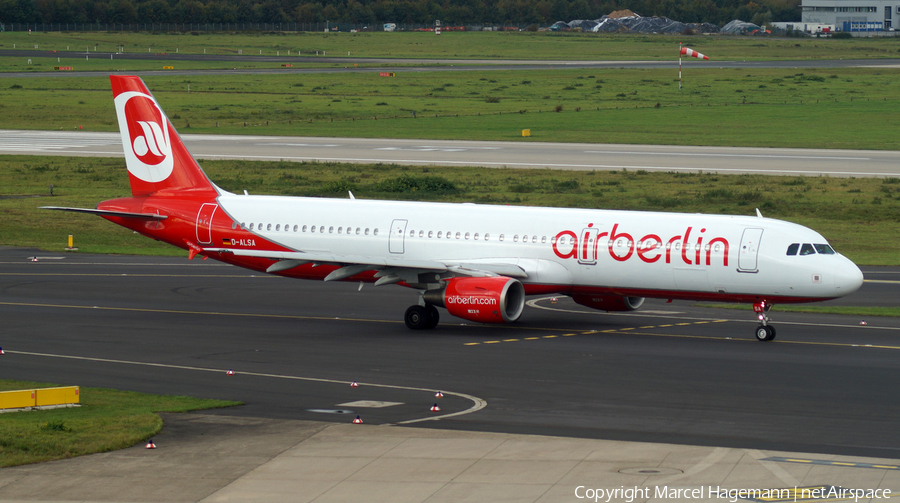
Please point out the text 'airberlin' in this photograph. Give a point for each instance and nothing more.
(650, 248)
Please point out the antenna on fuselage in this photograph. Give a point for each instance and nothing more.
(758, 213)
(351, 195)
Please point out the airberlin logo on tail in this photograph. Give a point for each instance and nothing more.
(145, 135)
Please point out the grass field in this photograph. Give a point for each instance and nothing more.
(107, 420)
(860, 217)
(833, 108)
(460, 45)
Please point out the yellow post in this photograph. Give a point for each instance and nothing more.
(526, 132)
(71, 241)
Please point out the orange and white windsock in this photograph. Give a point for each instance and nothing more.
(692, 53)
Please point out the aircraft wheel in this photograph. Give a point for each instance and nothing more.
(433, 316)
(765, 333)
(416, 318)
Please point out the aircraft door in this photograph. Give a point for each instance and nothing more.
(587, 246)
(749, 251)
(397, 236)
(204, 223)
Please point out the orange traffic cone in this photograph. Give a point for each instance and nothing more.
(151, 445)
(435, 408)
(2, 352)
(358, 420)
(439, 395)
(230, 372)
(354, 384)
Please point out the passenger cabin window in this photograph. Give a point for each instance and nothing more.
(807, 249)
(792, 249)
(251, 226)
(824, 249)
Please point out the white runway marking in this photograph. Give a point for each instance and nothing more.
(752, 156)
(477, 403)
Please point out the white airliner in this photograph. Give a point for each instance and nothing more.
(477, 261)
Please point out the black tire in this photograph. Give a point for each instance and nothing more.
(433, 316)
(416, 318)
(765, 333)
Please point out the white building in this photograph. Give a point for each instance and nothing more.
(874, 17)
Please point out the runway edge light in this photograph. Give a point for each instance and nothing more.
(358, 420)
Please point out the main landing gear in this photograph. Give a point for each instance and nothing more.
(764, 332)
(422, 317)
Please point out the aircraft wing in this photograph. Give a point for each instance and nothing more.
(356, 264)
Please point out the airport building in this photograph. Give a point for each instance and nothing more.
(860, 17)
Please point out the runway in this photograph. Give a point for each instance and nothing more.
(670, 373)
(538, 155)
(347, 64)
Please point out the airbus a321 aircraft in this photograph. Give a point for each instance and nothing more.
(477, 261)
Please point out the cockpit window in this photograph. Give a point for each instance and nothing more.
(824, 249)
(807, 249)
(792, 249)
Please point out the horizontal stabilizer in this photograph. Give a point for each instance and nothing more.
(107, 213)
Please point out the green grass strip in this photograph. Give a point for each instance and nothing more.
(850, 108)
(797, 308)
(456, 45)
(107, 420)
(859, 216)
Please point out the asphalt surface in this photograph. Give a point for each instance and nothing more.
(669, 373)
(540, 155)
(407, 65)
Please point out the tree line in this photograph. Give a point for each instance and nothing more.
(361, 12)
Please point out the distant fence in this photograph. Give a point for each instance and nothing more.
(262, 27)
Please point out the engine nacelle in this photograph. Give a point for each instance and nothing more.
(609, 302)
(496, 299)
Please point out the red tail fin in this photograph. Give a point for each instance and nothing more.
(155, 157)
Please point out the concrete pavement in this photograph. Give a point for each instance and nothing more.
(219, 458)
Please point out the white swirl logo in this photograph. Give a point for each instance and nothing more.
(153, 132)
(145, 130)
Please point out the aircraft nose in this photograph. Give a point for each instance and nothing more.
(848, 278)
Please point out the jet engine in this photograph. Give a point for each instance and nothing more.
(609, 302)
(495, 299)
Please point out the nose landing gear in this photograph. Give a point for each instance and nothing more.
(764, 332)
